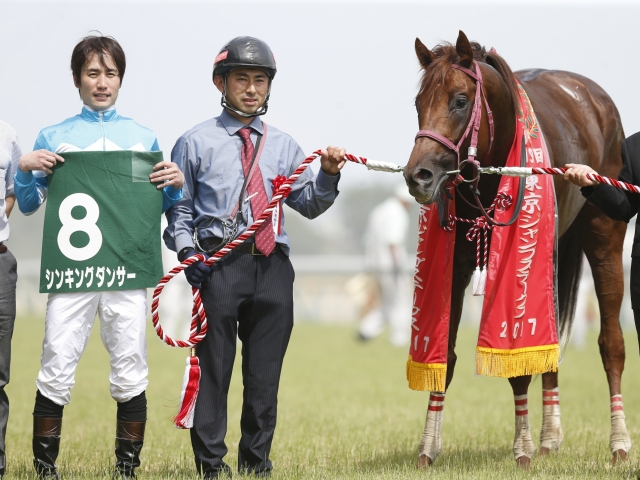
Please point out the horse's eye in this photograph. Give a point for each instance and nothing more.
(461, 103)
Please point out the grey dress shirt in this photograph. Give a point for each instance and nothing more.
(9, 156)
(209, 155)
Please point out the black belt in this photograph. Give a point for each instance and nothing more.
(3, 248)
(213, 244)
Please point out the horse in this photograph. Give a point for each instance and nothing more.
(581, 125)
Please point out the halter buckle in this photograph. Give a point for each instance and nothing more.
(472, 152)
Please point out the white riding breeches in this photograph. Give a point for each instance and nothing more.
(68, 324)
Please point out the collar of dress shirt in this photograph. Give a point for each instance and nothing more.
(92, 115)
(232, 124)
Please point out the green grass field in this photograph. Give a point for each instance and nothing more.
(345, 412)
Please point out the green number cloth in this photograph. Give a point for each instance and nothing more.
(102, 223)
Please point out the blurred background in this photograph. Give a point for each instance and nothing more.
(347, 76)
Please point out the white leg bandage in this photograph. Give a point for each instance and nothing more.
(551, 434)
(431, 441)
(620, 439)
(522, 441)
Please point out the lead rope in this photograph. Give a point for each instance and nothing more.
(198, 327)
(526, 171)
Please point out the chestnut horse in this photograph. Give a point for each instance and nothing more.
(581, 125)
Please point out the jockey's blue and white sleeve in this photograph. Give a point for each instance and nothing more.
(88, 131)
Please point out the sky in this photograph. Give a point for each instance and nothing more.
(347, 71)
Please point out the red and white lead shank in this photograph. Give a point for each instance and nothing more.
(526, 171)
(198, 328)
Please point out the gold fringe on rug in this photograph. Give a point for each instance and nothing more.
(426, 376)
(494, 362)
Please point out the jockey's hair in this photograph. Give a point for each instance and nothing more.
(446, 55)
(101, 46)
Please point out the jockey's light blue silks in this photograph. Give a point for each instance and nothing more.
(88, 131)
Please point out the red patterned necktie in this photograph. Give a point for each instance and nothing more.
(265, 239)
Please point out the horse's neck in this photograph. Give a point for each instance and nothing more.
(504, 118)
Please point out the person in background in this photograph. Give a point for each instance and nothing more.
(9, 157)
(387, 258)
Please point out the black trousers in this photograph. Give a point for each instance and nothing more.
(634, 287)
(250, 297)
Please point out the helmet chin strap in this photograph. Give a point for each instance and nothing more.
(261, 111)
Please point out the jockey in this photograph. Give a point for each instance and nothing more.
(98, 65)
(249, 293)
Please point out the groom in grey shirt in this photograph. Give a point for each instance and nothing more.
(249, 293)
(9, 156)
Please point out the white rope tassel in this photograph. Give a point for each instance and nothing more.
(522, 442)
(476, 281)
(479, 281)
(620, 439)
(431, 441)
(383, 166)
(482, 285)
(551, 434)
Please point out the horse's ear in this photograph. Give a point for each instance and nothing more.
(425, 56)
(465, 52)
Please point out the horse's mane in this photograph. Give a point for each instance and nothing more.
(447, 55)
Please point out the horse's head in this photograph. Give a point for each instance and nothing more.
(445, 104)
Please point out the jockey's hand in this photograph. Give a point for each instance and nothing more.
(197, 272)
(332, 160)
(577, 174)
(39, 160)
(167, 173)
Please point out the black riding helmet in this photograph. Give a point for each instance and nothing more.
(247, 52)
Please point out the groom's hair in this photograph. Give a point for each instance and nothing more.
(97, 45)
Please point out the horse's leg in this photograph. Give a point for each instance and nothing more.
(431, 441)
(551, 433)
(523, 447)
(602, 244)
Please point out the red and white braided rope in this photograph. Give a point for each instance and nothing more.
(526, 171)
(593, 177)
(480, 227)
(198, 328)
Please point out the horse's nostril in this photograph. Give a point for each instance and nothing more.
(424, 174)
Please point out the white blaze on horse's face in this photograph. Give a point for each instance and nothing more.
(444, 106)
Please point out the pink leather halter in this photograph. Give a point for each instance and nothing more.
(472, 152)
(474, 121)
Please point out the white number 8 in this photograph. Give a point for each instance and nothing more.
(86, 224)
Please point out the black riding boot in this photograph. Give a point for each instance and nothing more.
(129, 440)
(46, 444)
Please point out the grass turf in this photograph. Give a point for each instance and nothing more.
(344, 412)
